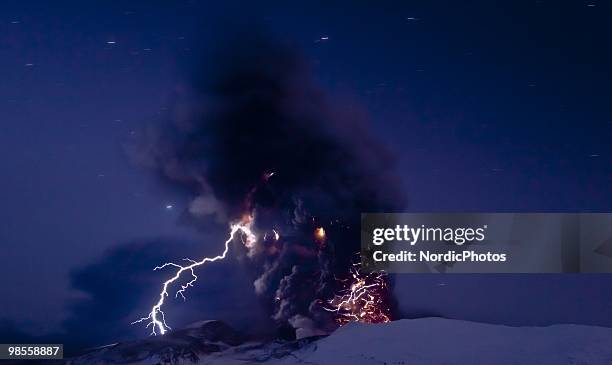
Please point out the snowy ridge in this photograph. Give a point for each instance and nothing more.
(426, 341)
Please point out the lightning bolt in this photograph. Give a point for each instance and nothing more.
(156, 318)
(362, 300)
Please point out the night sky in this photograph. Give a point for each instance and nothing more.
(487, 106)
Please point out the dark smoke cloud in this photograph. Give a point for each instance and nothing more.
(255, 111)
(110, 290)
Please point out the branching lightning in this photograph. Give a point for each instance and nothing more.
(362, 299)
(156, 318)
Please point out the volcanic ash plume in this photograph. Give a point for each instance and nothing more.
(258, 140)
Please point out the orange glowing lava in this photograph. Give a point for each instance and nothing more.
(362, 299)
(320, 234)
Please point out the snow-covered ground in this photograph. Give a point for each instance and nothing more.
(427, 341)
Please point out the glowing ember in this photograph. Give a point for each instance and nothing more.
(363, 299)
(319, 234)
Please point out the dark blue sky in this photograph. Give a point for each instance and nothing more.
(488, 106)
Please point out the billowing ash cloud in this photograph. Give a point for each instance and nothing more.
(257, 136)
